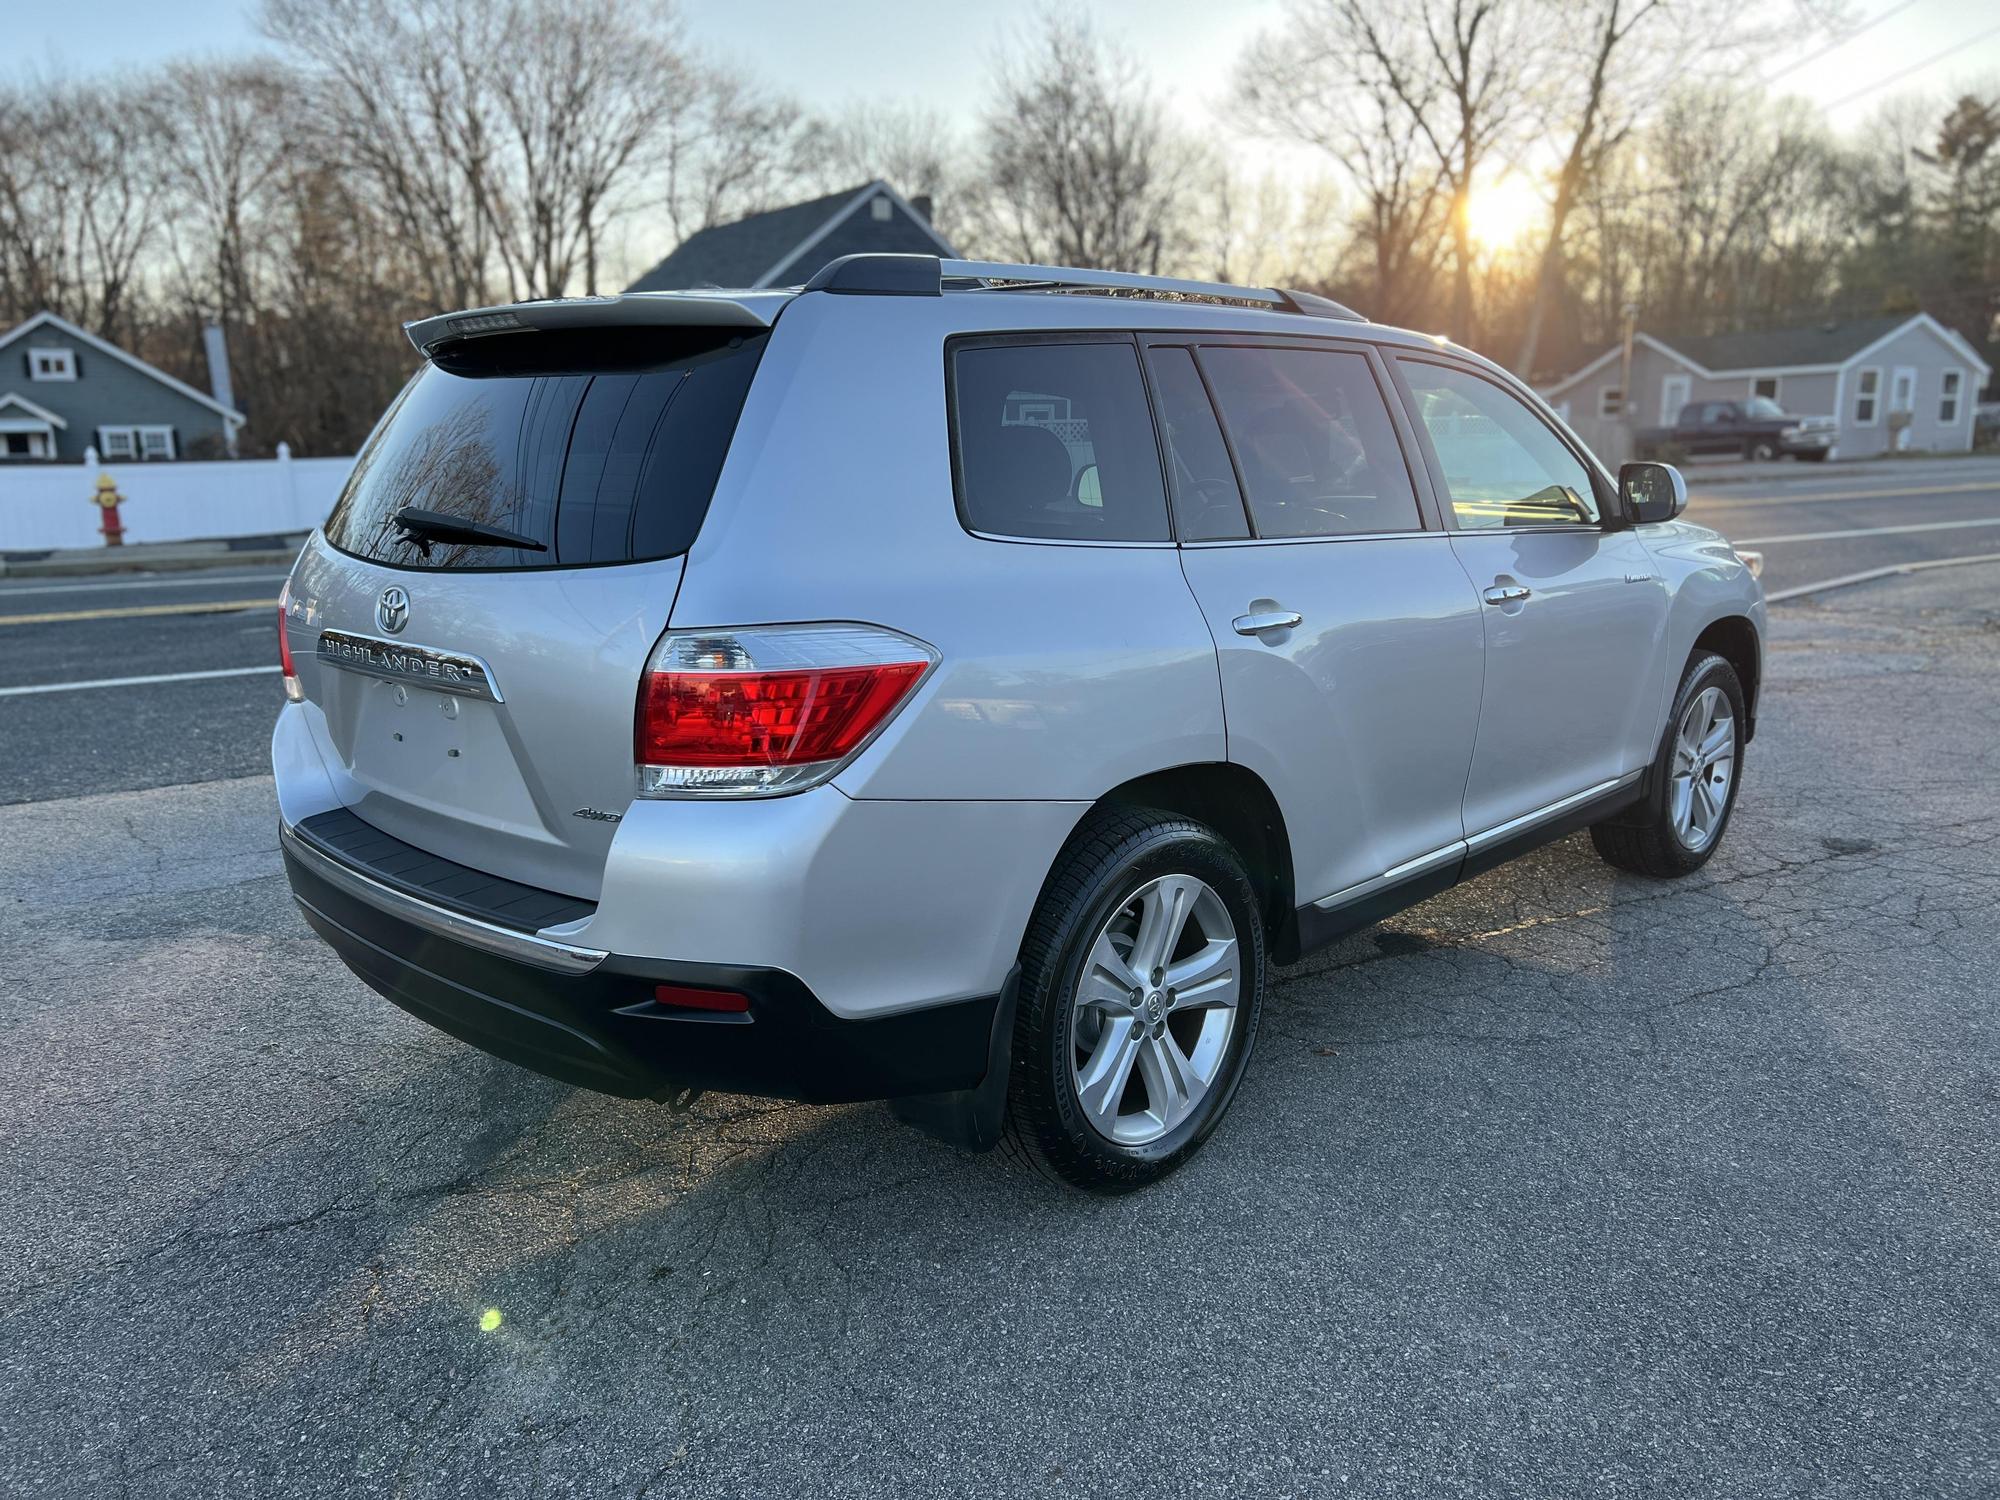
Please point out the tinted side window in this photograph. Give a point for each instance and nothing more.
(1502, 464)
(604, 450)
(1318, 452)
(1208, 506)
(1056, 440)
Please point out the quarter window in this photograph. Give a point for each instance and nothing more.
(1314, 442)
(1055, 441)
(1502, 465)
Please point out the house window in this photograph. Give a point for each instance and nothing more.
(1765, 386)
(52, 364)
(1610, 401)
(135, 442)
(1867, 396)
(1948, 396)
(881, 210)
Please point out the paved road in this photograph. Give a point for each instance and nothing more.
(1565, 1184)
(65, 744)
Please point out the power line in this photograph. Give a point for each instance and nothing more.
(1813, 57)
(1915, 67)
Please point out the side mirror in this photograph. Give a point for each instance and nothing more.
(1652, 492)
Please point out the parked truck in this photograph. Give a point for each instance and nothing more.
(1757, 429)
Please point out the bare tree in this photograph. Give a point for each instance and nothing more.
(80, 199)
(1414, 100)
(916, 150)
(1080, 166)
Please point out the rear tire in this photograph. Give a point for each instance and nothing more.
(1142, 980)
(1760, 450)
(1694, 779)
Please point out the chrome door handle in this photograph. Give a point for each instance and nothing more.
(1273, 619)
(1511, 593)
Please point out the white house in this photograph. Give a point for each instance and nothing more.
(1858, 371)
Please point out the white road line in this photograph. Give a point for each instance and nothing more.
(1837, 536)
(110, 682)
(1893, 570)
(234, 580)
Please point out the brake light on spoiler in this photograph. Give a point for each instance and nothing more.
(762, 710)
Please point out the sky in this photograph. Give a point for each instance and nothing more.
(940, 53)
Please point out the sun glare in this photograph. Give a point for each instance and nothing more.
(1502, 213)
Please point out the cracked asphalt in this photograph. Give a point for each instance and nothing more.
(1567, 1183)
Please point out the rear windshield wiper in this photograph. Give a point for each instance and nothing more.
(436, 526)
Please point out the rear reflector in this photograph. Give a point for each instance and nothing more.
(767, 709)
(687, 997)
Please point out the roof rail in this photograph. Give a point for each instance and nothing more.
(927, 275)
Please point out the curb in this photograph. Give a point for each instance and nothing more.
(85, 567)
(1894, 570)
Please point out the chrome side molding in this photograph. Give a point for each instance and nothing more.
(1459, 848)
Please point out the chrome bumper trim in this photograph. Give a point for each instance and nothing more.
(526, 947)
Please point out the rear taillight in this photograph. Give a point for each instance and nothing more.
(767, 709)
(293, 692)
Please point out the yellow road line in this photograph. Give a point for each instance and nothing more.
(139, 611)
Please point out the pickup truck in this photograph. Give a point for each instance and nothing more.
(1758, 428)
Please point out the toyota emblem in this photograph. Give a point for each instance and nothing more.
(392, 610)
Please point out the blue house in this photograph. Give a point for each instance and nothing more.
(785, 246)
(64, 390)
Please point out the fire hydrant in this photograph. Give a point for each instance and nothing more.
(107, 496)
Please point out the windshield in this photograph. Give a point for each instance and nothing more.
(1762, 406)
(600, 451)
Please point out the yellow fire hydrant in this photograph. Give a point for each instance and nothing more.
(107, 496)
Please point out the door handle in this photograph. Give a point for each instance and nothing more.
(1511, 593)
(1270, 619)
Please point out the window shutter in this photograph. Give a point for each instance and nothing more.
(76, 363)
(28, 364)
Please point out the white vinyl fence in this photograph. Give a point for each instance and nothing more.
(48, 506)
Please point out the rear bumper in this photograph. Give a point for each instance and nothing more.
(588, 1017)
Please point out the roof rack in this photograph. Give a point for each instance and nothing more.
(928, 276)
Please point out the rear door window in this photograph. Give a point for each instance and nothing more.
(602, 450)
(1314, 441)
(1055, 441)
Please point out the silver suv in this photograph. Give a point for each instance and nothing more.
(945, 685)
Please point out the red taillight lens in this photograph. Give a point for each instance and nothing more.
(293, 691)
(766, 718)
(768, 709)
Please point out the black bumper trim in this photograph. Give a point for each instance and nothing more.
(599, 1030)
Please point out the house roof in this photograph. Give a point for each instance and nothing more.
(105, 346)
(1829, 343)
(752, 252)
(40, 414)
(1807, 346)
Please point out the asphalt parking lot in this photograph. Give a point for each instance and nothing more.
(1567, 1183)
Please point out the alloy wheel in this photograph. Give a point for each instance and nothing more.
(1704, 766)
(1155, 1010)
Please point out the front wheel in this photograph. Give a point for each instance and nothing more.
(1694, 779)
(1142, 978)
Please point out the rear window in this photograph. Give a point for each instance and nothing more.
(603, 449)
(1056, 441)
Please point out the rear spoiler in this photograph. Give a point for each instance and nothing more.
(630, 310)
